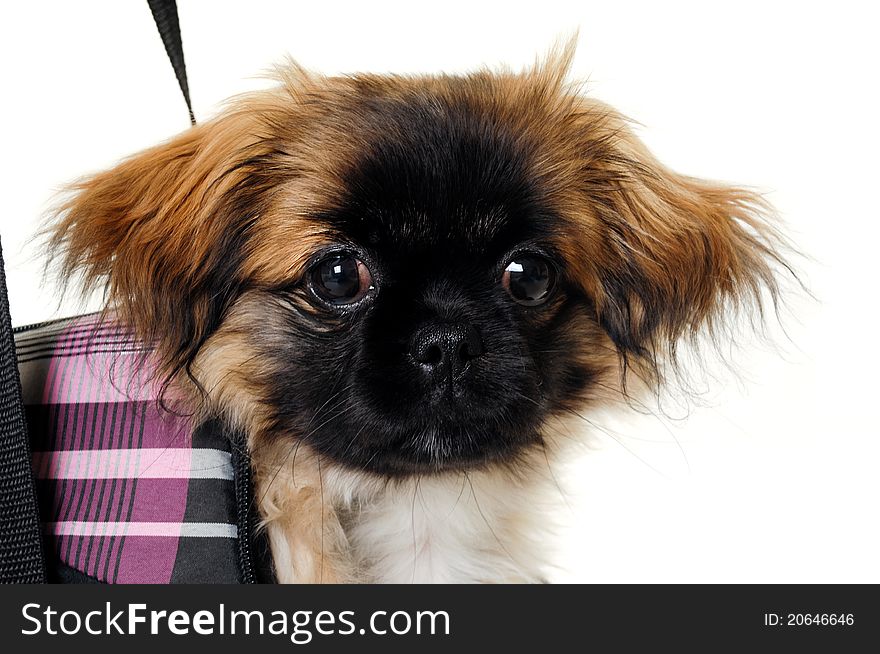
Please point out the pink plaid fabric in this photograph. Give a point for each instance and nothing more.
(128, 493)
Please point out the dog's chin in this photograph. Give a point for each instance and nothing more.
(436, 450)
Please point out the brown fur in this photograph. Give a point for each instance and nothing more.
(191, 237)
(661, 254)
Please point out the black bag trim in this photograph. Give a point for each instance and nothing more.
(165, 15)
(21, 546)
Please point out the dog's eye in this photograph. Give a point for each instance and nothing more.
(340, 279)
(529, 279)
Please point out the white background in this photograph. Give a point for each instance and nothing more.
(776, 480)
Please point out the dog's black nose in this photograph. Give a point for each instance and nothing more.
(446, 346)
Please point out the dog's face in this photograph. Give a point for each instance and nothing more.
(412, 274)
(438, 323)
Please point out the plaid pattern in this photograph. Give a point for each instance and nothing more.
(127, 493)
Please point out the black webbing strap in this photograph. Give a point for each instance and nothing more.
(21, 548)
(165, 15)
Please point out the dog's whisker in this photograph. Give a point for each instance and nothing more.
(295, 448)
(485, 520)
(608, 433)
(323, 512)
(553, 477)
(412, 517)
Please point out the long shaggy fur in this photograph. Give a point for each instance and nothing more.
(198, 241)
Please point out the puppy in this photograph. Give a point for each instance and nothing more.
(402, 290)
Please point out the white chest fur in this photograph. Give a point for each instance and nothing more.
(457, 529)
(338, 526)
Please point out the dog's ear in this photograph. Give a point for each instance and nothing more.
(668, 253)
(165, 232)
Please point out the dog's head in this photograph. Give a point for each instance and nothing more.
(412, 274)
